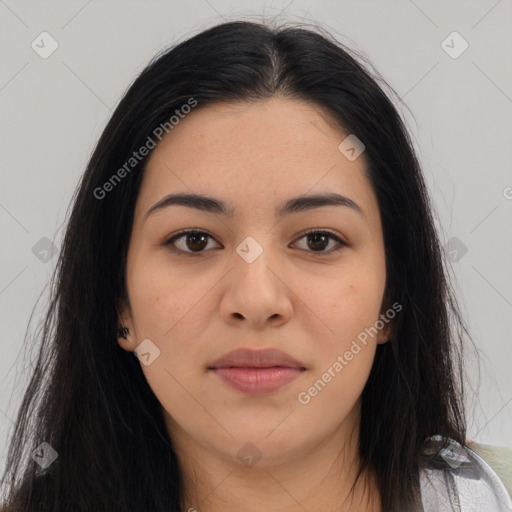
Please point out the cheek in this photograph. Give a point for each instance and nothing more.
(350, 308)
(347, 304)
(174, 311)
(172, 315)
(333, 391)
(161, 299)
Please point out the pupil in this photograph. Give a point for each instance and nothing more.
(195, 237)
(317, 236)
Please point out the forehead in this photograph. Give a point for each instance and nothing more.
(273, 126)
(250, 153)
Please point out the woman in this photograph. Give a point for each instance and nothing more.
(250, 310)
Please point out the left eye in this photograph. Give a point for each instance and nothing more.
(320, 239)
(198, 240)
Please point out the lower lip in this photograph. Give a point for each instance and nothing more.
(257, 381)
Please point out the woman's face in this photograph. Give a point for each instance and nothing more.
(255, 280)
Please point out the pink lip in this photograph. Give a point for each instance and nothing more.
(262, 358)
(257, 372)
(257, 381)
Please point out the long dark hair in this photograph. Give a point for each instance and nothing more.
(88, 398)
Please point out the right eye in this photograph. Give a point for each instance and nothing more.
(193, 239)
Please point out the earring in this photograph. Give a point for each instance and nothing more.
(122, 332)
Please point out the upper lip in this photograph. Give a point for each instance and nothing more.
(247, 358)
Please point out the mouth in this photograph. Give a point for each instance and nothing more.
(257, 381)
(257, 372)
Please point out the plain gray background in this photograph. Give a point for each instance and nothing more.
(53, 110)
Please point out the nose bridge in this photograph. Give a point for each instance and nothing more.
(253, 257)
(256, 293)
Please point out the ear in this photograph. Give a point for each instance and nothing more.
(383, 336)
(387, 330)
(125, 331)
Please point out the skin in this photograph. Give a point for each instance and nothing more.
(309, 302)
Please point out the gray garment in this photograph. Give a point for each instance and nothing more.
(459, 480)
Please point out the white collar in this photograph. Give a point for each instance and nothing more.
(459, 480)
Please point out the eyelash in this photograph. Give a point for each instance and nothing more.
(331, 234)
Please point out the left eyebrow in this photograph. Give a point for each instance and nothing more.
(293, 205)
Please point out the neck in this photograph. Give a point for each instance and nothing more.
(318, 477)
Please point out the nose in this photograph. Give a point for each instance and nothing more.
(257, 290)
